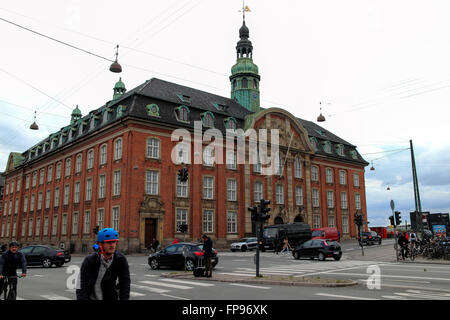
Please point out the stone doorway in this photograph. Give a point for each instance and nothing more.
(150, 231)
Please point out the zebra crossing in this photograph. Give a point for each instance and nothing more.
(139, 289)
(303, 268)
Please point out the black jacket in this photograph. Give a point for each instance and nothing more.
(115, 283)
(10, 262)
(402, 241)
(207, 247)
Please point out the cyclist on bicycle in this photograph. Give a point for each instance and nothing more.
(10, 261)
(105, 274)
(403, 243)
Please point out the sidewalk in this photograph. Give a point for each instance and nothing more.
(268, 280)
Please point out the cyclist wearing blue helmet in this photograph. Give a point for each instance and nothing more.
(105, 274)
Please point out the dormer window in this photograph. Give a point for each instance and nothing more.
(313, 143)
(230, 123)
(119, 111)
(92, 124)
(80, 128)
(354, 154)
(322, 133)
(105, 115)
(340, 150)
(60, 139)
(208, 119)
(327, 146)
(220, 107)
(152, 110)
(184, 98)
(181, 113)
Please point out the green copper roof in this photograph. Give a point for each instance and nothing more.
(119, 84)
(244, 65)
(76, 111)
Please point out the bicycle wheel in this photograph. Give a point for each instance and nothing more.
(412, 255)
(11, 293)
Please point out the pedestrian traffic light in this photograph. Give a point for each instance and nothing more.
(264, 210)
(255, 215)
(398, 218)
(391, 218)
(183, 174)
(358, 219)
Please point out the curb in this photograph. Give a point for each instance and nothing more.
(272, 282)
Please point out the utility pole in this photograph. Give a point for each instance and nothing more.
(416, 187)
(395, 229)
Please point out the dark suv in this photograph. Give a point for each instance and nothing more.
(319, 248)
(45, 256)
(369, 238)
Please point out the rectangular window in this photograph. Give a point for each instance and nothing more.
(76, 192)
(101, 218)
(118, 149)
(231, 160)
(18, 185)
(342, 177)
(64, 224)
(68, 167)
(87, 222)
(27, 182)
(182, 188)
(208, 188)
(344, 204)
(47, 199)
(231, 187)
(258, 192)
(208, 221)
(41, 177)
(314, 173)
(153, 148)
(357, 201)
(25, 204)
(208, 157)
(355, 180)
(316, 221)
(102, 186)
(75, 223)
(55, 225)
(24, 224)
(116, 218)
(34, 179)
(89, 189)
(299, 195)
(182, 217)
(30, 227)
(90, 159)
(16, 206)
(116, 183)
(50, 174)
(45, 226)
(78, 163)
(37, 232)
(57, 197)
(345, 224)
(66, 194)
(329, 175)
(315, 198)
(10, 207)
(257, 167)
(152, 182)
(232, 222)
(58, 170)
(280, 193)
(331, 221)
(39, 206)
(32, 202)
(330, 199)
(298, 168)
(103, 153)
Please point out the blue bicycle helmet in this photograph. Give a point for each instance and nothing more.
(107, 234)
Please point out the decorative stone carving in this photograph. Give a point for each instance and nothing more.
(152, 204)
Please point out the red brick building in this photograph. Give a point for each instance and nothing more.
(114, 168)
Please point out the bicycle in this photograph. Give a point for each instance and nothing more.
(8, 287)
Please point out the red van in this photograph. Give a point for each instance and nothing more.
(325, 233)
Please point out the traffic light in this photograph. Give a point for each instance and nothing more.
(96, 229)
(183, 174)
(357, 219)
(264, 210)
(255, 215)
(183, 227)
(391, 218)
(398, 218)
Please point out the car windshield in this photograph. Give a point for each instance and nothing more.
(244, 240)
(316, 233)
(270, 232)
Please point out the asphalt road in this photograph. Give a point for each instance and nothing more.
(399, 281)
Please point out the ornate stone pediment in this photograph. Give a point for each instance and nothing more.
(152, 204)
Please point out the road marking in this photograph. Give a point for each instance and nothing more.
(150, 275)
(54, 297)
(166, 285)
(38, 275)
(345, 297)
(395, 297)
(237, 274)
(388, 276)
(239, 260)
(201, 284)
(19, 298)
(249, 286)
(154, 290)
(413, 281)
(136, 294)
(422, 296)
(167, 295)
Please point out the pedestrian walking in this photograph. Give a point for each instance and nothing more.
(286, 246)
(207, 254)
(403, 243)
(105, 274)
(154, 246)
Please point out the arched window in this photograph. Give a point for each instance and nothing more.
(118, 149)
(244, 83)
(234, 84)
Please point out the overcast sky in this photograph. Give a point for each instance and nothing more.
(381, 68)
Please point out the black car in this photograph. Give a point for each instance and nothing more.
(45, 255)
(176, 256)
(319, 248)
(369, 238)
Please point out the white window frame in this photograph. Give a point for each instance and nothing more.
(329, 175)
(231, 160)
(331, 221)
(344, 201)
(50, 174)
(115, 217)
(345, 225)
(316, 221)
(182, 188)
(102, 186)
(25, 203)
(118, 149)
(87, 222)
(357, 201)
(231, 190)
(315, 198)
(298, 168)
(314, 173)
(356, 180)
(66, 194)
(153, 148)
(78, 163)
(299, 195)
(90, 159)
(232, 221)
(68, 168)
(152, 182)
(342, 177)
(208, 156)
(30, 227)
(55, 225)
(45, 226)
(101, 218)
(41, 178)
(37, 228)
(208, 187)
(56, 204)
(208, 221)
(279, 190)
(39, 204)
(76, 192)
(89, 189)
(58, 170)
(64, 224)
(258, 191)
(75, 223)
(182, 215)
(117, 176)
(48, 195)
(330, 199)
(103, 154)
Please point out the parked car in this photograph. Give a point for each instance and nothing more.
(172, 256)
(45, 255)
(369, 238)
(328, 233)
(296, 232)
(244, 244)
(321, 249)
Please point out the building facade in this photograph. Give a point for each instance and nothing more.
(117, 167)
